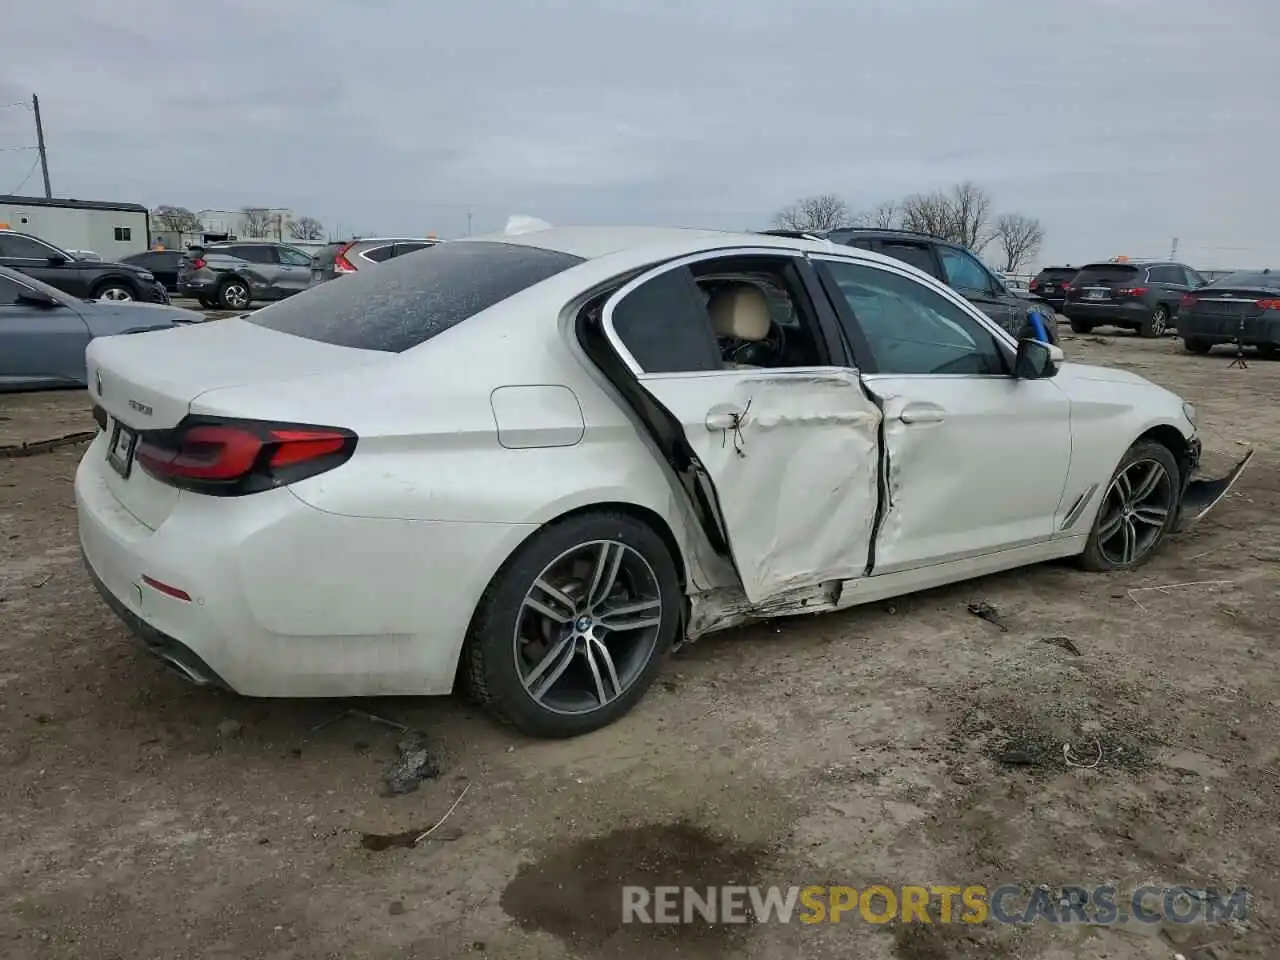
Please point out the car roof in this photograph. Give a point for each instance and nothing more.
(893, 233)
(591, 242)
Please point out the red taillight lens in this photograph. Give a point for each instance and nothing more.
(1131, 292)
(340, 262)
(1188, 301)
(197, 263)
(235, 457)
(1268, 304)
(1035, 285)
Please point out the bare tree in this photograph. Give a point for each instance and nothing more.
(179, 219)
(883, 216)
(258, 221)
(961, 215)
(817, 213)
(306, 228)
(1020, 238)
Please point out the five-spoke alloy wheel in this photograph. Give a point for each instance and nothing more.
(1138, 509)
(572, 630)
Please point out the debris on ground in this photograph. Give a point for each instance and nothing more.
(1064, 643)
(417, 762)
(362, 714)
(985, 611)
(411, 838)
(230, 728)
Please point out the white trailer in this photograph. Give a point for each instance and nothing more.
(112, 230)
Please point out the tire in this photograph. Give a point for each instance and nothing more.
(494, 666)
(1197, 346)
(233, 294)
(1268, 351)
(1157, 324)
(1105, 551)
(118, 291)
(1081, 326)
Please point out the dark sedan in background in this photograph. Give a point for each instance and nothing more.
(1051, 283)
(44, 332)
(92, 279)
(1242, 307)
(162, 264)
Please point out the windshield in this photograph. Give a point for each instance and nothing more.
(1250, 278)
(409, 300)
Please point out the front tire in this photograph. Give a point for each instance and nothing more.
(1139, 508)
(1197, 346)
(115, 291)
(573, 629)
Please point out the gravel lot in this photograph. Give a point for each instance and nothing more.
(903, 743)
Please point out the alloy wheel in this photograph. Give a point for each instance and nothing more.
(1159, 321)
(236, 296)
(587, 627)
(1135, 511)
(115, 294)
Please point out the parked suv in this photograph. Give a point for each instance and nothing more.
(87, 279)
(955, 266)
(232, 274)
(350, 256)
(1137, 295)
(1051, 282)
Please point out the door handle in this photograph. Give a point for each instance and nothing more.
(922, 413)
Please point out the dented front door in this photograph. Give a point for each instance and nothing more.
(793, 456)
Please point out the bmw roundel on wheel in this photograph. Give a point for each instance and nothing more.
(538, 462)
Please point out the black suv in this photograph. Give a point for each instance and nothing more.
(87, 279)
(950, 263)
(1142, 295)
(1050, 285)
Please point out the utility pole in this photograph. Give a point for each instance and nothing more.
(44, 157)
(468, 223)
(1173, 253)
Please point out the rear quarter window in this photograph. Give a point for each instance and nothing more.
(408, 301)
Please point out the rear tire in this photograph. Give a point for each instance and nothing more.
(603, 673)
(1156, 324)
(1132, 520)
(233, 294)
(1081, 326)
(1197, 346)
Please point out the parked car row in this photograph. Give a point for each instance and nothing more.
(85, 279)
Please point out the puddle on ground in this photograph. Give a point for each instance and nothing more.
(575, 891)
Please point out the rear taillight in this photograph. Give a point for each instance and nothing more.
(197, 263)
(1187, 301)
(1131, 292)
(1034, 285)
(232, 458)
(340, 262)
(1268, 304)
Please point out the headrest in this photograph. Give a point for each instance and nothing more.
(740, 310)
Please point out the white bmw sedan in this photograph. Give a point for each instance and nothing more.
(533, 464)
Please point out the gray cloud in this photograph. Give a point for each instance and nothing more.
(1121, 125)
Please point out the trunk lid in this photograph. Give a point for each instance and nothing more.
(148, 381)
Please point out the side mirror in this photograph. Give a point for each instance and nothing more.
(38, 298)
(1036, 360)
(57, 261)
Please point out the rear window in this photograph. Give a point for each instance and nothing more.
(1106, 273)
(1250, 278)
(1057, 273)
(408, 301)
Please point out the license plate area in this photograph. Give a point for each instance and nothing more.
(120, 450)
(1097, 293)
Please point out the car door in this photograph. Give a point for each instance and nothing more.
(294, 269)
(782, 462)
(976, 460)
(965, 274)
(40, 344)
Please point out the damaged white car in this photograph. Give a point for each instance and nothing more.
(535, 463)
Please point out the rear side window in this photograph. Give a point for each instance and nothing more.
(1106, 273)
(665, 326)
(916, 254)
(408, 301)
(378, 254)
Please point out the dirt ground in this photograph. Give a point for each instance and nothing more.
(905, 743)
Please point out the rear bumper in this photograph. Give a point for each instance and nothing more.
(284, 600)
(1256, 332)
(1123, 314)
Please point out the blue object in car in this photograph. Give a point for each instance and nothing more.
(1036, 319)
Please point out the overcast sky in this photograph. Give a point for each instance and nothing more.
(1121, 125)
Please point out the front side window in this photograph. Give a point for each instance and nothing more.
(10, 292)
(293, 258)
(24, 248)
(964, 272)
(911, 329)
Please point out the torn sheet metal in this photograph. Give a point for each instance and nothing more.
(1201, 496)
(796, 474)
(721, 608)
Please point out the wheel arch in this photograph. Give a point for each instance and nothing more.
(1176, 442)
(109, 279)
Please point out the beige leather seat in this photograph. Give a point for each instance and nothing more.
(741, 312)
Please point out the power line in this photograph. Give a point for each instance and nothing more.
(9, 149)
(16, 103)
(26, 178)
